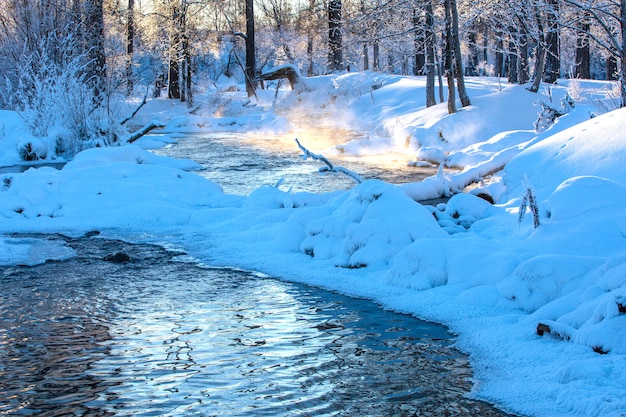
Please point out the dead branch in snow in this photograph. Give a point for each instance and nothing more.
(143, 102)
(330, 167)
(144, 130)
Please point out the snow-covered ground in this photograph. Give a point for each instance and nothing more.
(482, 269)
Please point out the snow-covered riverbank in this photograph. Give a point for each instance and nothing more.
(482, 269)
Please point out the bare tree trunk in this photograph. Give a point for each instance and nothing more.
(184, 52)
(583, 61)
(420, 53)
(512, 64)
(366, 58)
(485, 48)
(499, 64)
(96, 66)
(541, 52)
(430, 54)
(130, 40)
(187, 72)
(539, 69)
(465, 101)
(522, 60)
(552, 70)
(173, 74)
(439, 76)
(448, 59)
(309, 53)
(623, 52)
(376, 57)
(335, 52)
(310, 38)
(473, 59)
(611, 68)
(250, 49)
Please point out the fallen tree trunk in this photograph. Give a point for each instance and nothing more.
(290, 72)
(144, 130)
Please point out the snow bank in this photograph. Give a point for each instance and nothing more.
(593, 147)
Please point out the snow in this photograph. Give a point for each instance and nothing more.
(469, 264)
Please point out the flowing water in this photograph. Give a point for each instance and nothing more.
(241, 163)
(164, 335)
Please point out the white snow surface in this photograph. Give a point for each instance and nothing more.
(469, 264)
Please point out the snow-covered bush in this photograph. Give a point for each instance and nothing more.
(6, 182)
(53, 97)
(32, 91)
(549, 112)
(31, 152)
(574, 90)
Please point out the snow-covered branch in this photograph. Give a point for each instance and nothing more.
(134, 113)
(144, 130)
(330, 167)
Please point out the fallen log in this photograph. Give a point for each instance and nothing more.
(290, 72)
(144, 130)
(559, 330)
(564, 332)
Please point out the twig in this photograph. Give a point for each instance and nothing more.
(329, 165)
(529, 200)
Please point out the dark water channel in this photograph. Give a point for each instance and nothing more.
(163, 335)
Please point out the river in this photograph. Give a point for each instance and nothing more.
(162, 334)
(165, 335)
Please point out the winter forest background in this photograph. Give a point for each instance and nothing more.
(79, 59)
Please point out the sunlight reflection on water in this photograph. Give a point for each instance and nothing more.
(243, 163)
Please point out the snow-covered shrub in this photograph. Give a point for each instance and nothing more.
(461, 212)
(549, 113)
(574, 89)
(51, 91)
(545, 278)
(31, 94)
(28, 153)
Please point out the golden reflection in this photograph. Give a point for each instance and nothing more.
(330, 135)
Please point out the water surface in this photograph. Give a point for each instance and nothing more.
(165, 335)
(241, 163)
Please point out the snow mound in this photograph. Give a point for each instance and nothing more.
(356, 234)
(591, 148)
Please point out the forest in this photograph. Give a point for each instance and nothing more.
(78, 58)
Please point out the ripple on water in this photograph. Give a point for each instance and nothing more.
(158, 336)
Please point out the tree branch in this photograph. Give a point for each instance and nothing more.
(144, 130)
(126, 119)
(329, 165)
